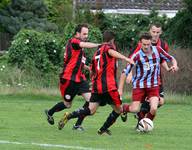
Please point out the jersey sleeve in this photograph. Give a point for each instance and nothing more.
(164, 55)
(165, 47)
(75, 44)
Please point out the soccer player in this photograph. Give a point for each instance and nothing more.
(155, 31)
(146, 79)
(72, 79)
(104, 85)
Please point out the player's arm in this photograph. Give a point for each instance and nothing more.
(129, 78)
(167, 57)
(165, 66)
(121, 83)
(118, 55)
(174, 66)
(88, 45)
(123, 76)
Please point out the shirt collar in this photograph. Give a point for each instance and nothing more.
(143, 54)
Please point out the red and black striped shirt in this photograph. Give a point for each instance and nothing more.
(74, 60)
(103, 68)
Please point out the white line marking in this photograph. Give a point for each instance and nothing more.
(49, 145)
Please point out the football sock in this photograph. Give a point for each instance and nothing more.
(81, 118)
(145, 107)
(110, 120)
(58, 107)
(80, 113)
(125, 108)
(141, 115)
(150, 116)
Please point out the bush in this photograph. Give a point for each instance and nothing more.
(180, 29)
(32, 48)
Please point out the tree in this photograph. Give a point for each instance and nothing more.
(28, 14)
(180, 26)
(4, 3)
(60, 12)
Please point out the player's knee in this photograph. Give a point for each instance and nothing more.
(161, 101)
(134, 109)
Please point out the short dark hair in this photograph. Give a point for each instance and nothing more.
(80, 26)
(157, 24)
(145, 36)
(108, 36)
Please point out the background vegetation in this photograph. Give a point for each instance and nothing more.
(41, 28)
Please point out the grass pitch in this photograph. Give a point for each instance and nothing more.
(23, 126)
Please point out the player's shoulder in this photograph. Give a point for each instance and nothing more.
(163, 43)
(75, 40)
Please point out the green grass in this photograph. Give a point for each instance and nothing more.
(22, 120)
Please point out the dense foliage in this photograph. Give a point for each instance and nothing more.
(180, 29)
(28, 14)
(32, 49)
(127, 27)
(60, 12)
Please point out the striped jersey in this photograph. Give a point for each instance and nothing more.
(159, 43)
(74, 60)
(103, 68)
(147, 73)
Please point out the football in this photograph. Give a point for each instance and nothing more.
(145, 125)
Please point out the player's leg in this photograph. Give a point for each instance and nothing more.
(137, 96)
(145, 107)
(153, 95)
(161, 95)
(86, 94)
(154, 101)
(112, 98)
(93, 105)
(68, 90)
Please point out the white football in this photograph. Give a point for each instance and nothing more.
(145, 125)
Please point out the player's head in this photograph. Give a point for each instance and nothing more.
(145, 39)
(155, 31)
(108, 36)
(81, 31)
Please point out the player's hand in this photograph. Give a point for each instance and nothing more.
(129, 78)
(173, 68)
(130, 61)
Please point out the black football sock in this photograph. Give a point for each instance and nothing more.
(145, 107)
(110, 120)
(80, 113)
(81, 118)
(58, 107)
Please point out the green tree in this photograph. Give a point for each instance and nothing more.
(4, 3)
(28, 14)
(180, 26)
(60, 12)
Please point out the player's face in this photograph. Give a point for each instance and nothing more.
(155, 33)
(84, 34)
(146, 45)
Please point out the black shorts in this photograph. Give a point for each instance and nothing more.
(69, 88)
(161, 91)
(111, 98)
